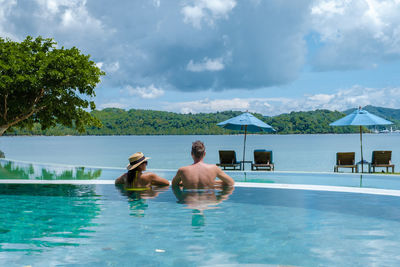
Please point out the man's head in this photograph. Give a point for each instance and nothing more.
(198, 149)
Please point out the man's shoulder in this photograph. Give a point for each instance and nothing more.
(210, 166)
(183, 168)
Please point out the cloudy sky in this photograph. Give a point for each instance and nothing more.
(271, 56)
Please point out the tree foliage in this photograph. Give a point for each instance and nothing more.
(149, 122)
(310, 122)
(40, 83)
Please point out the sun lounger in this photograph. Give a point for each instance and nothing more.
(263, 160)
(227, 160)
(382, 159)
(345, 160)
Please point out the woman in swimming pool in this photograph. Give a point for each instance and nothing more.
(135, 178)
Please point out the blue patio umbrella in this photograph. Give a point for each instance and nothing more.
(246, 122)
(360, 118)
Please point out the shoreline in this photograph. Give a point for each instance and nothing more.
(297, 134)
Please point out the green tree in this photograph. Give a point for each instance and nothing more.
(40, 83)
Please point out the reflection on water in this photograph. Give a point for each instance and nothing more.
(137, 199)
(34, 217)
(200, 200)
(14, 170)
(254, 226)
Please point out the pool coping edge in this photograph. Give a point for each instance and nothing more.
(326, 188)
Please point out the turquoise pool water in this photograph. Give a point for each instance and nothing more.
(102, 225)
(99, 225)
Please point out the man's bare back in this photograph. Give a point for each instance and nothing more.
(200, 175)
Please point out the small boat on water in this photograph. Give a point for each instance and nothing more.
(385, 131)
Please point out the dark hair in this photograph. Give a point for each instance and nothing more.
(132, 175)
(198, 149)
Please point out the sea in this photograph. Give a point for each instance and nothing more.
(313, 152)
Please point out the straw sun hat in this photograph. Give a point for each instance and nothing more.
(135, 160)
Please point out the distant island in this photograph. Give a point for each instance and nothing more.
(149, 122)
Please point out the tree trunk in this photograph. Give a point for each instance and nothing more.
(3, 128)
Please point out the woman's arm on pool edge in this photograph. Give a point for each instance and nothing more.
(157, 180)
(121, 179)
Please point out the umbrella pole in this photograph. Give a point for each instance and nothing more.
(362, 158)
(244, 145)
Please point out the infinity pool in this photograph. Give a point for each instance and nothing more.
(102, 225)
(17, 170)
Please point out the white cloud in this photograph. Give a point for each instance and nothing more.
(328, 8)
(321, 97)
(207, 105)
(219, 8)
(249, 44)
(157, 3)
(356, 33)
(206, 65)
(109, 68)
(71, 14)
(207, 10)
(6, 7)
(193, 14)
(53, 6)
(353, 97)
(144, 92)
(69, 22)
(341, 100)
(242, 48)
(112, 67)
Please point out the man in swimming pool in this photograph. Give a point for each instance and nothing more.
(200, 175)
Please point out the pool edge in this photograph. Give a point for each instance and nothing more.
(326, 188)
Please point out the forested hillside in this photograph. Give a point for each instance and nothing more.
(308, 122)
(149, 122)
